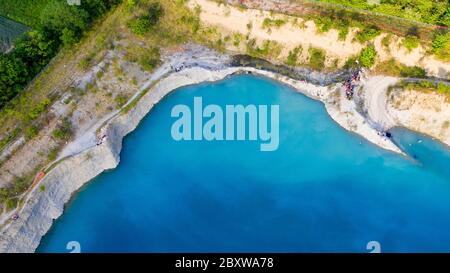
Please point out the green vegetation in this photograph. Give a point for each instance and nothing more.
(269, 49)
(63, 131)
(441, 46)
(31, 132)
(426, 86)
(59, 25)
(42, 188)
(11, 203)
(237, 38)
(367, 56)
(292, 58)
(316, 58)
(396, 69)
(386, 42)
(146, 22)
(444, 89)
(53, 154)
(25, 11)
(367, 34)
(324, 24)
(269, 23)
(411, 42)
(120, 100)
(432, 12)
(38, 109)
(10, 195)
(150, 59)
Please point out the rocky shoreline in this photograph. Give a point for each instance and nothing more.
(41, 208)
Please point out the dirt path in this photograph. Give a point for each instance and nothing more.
(376, 100)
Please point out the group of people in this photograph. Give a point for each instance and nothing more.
(101, 137)
(177, 68)
(350, 84)
(384, 134)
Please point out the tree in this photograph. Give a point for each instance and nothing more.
(154, 13)
(68, 37)
(57, 16)
(445, 19)
(13, 75)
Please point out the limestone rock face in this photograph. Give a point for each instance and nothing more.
(39, 211)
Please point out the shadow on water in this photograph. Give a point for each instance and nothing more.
(425, 151)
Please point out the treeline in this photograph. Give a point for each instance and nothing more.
(60, 25)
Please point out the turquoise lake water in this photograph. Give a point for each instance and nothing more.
(323, 190)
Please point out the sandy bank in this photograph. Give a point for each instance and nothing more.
(295, 31)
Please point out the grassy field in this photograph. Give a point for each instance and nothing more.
(24, 11)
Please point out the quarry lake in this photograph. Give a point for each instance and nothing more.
(323, 190)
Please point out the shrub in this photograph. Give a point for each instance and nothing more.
(3, 194)
(151, 59)
(139, 26)
(293, 56)
(20, 184)
(413, 71)
(351, 62)
(64, 130)
(411, 42)
(52, 154)
(267, 50)
(131, 4)
(442, 88)
(68, 37)
(324, 24)
(367, 34)
(31, 132)
(121, 100)
(143, 24)
(426, 84)
(11, 203)
(441, 46)
(367, 56)
(394, 68)
(316, 58)
(38, 109)
(85, 63)
(237, 38)
(268, 23)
